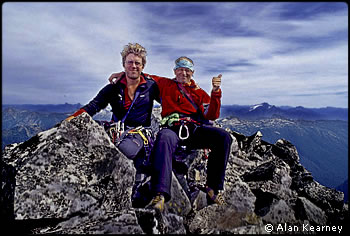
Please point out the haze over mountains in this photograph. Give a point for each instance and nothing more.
(319, 134)
(265, 110)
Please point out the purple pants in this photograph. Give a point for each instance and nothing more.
(216, 139)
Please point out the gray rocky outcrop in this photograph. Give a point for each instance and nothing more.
(71, 179)
(74, 174)
(70, 169)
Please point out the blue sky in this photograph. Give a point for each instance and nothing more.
(283, 53)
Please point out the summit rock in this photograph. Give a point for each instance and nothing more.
(72, 179)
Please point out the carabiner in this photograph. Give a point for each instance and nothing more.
(180, 131)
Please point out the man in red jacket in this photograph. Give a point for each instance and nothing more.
(186, 111)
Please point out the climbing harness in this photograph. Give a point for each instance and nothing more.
(175, 119)
(147, 137)
(138, 130)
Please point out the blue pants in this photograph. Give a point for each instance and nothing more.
(216, 139)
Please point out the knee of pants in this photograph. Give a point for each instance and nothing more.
(226, 138)
(229, 138)
(167, 136)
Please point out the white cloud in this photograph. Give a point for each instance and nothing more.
(75, 46)
(324, 25)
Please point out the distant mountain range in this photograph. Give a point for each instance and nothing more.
(22, 121)
(19, 125)
(320, 134)
(322, 145)
(265, 110)
(249, 112)
(56, 108)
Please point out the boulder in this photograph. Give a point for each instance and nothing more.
(68, 170)
(306, 210)
(72, 179)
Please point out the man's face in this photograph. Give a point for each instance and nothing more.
(133, 66)
(183, 75)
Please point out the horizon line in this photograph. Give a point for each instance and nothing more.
(66, 103)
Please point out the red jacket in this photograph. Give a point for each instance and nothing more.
(173, 100)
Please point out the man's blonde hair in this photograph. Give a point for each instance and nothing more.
(136, 49)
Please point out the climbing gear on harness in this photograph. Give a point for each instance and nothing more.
(184, 122)
(131, 141)
(180, 132)
(168, 120)
(138, 131)
(115, 130)
(175, 119)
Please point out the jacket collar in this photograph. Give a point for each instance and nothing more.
(142, 84)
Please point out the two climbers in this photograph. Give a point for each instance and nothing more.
(182, 98)
(131, 97)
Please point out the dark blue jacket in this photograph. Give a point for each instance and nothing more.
(113, 94)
